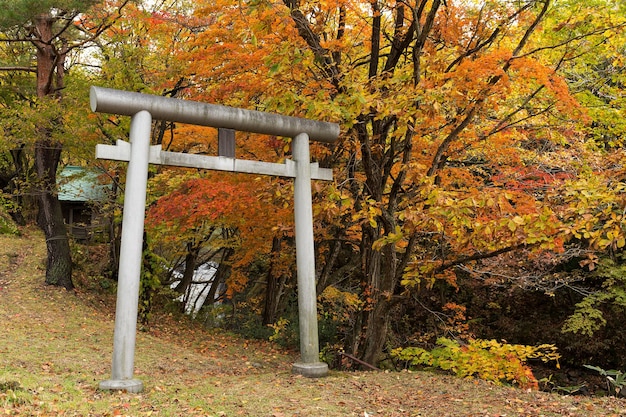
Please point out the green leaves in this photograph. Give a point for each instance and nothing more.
(19, 12)
(486, 359)
(588, 316)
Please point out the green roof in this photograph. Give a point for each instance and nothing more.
(81, 184)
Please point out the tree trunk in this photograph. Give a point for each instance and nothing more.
(47, 57)
(47, 157)
(18, 213)
(221, 275)
(372, 334)
(218, 278)
(184, 285)
(376, 329)
(274, 287)
(115, 236)
(380, 278)
(50, 218)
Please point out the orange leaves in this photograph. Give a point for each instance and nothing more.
(218, 212)
(473, 79)
(449, 143)
(195, 202)
(199, 205)
(532, 179)
(229, 59)
(536, 73)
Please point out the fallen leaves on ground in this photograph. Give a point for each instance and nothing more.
(56, 348)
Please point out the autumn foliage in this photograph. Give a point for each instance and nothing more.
(462, 140)
(480, 142)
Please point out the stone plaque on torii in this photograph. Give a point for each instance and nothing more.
(144, 108)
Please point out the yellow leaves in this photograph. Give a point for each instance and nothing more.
(369, 214)
(339, 304)
(594, 212)
(372, 213)
(516, 221)
(391, 238)
(609, 238)
(340, 196)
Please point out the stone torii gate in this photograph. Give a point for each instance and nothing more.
(143, 108)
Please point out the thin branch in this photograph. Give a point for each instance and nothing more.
(375, 39)
(340, 33)
(582, 36)
(439, 159)
(531, 29)
(322, 55)
(422, 33)
(489, 40)
(479, 256)
(18, 68)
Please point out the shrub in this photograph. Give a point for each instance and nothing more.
(485, 359)
(588, 316)
(7, 225)
(286, 332)
(246, 321)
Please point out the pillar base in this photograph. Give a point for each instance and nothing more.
(128, 385)
(310, 370)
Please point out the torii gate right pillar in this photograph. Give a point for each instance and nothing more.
(309, 365)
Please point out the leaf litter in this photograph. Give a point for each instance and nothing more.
(57, 345)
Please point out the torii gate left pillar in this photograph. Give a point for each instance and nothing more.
(139, 154)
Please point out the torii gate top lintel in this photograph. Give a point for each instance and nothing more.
(127, 103)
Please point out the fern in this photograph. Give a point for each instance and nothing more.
(587, 317)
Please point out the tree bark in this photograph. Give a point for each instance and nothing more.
(274, 287)
(47, 157)
(52, 46)
(223, 272)
(19, 213)
(50, 218)
(379, 283)
(184, 285)
(47, 57)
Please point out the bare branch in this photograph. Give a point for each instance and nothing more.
(479, 256)
(322, 55)
(531, 28)
(423, 31)
(439, 159)
(375, 39)
(18, 68)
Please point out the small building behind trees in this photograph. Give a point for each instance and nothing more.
(82, 192)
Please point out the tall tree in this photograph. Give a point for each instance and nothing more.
(458, 129)
(53, 30)
(442, 104)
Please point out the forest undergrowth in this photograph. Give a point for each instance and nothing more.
(56, 348)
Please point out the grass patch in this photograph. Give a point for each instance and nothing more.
(56, 348)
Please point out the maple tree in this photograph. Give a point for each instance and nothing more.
(420, 103)
(592, 204)
(464, 136)
(205, 218)
(445, 107)
(164, 34)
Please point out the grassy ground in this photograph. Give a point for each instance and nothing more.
(55, 348)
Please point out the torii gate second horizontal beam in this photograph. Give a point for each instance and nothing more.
(121, 152)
